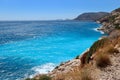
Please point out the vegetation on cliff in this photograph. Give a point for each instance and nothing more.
(111, 21)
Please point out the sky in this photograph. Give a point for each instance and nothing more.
(52, 9)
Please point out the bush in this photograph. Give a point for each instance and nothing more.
(117, 26)
(77, 57)
(30, 79)
(112, 18)
(83, 58)
(113, 50)
(117, 10)
(44, 77)
(56, 67)
(103, 60)
(97, 45)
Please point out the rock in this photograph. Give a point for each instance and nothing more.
(111, 21)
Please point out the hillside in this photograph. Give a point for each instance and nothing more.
(91, 16)
(100, 62)
(111, 21)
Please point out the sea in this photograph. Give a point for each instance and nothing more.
(28, 48)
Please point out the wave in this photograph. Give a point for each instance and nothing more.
(42, 69)
(96, 29)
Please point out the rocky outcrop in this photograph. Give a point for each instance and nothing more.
(111, 21)
(112, 72)
(68, 66)
(65, 67)
(91, 16)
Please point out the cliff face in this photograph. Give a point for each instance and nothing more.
(91, 16)
(111, 21)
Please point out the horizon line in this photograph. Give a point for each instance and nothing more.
(41, 20)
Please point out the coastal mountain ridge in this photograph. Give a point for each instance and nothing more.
(91, 16)
(100, 62)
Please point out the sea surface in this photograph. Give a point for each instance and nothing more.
(31, 47)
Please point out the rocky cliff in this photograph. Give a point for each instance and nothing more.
(91, 16)
(111, 21)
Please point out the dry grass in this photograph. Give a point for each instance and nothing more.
(96, 47)
(108, 49)
(112, 50)
(83, 59)
(77, 74)
(103, 60)
(59, 77)
(85, 75)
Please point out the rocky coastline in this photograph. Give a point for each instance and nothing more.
(100, 62)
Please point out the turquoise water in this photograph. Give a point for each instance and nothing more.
(31, 47)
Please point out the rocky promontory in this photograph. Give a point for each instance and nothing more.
(111, 21)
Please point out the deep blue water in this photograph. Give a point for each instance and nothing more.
(30, 47)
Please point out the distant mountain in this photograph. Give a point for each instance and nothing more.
(91, 16)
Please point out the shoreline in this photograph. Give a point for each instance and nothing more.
(73, 61)
(102, 59)
(70, 63)
(98, 29)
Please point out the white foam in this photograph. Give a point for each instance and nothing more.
(96, 29)
(43, 69)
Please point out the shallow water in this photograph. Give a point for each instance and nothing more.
(30, 47)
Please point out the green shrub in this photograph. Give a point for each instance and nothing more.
(77, 57)
(98, 44)
(117, 10)
(44, 77)
(29, 79)
(56, 67)
(83, 58)
(117, 26)
(112, 18)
